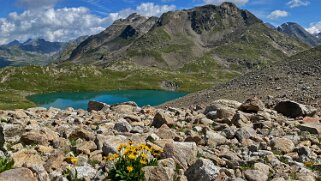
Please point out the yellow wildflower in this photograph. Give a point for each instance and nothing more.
(130, 168)
(132, 157)
(143, 155)
(130, 142)
(121, 146)
(71, 159)
(143, 162)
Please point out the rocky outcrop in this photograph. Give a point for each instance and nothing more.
(225, 140)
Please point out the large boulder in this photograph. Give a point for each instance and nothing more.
(18, 174)
(202, 170)
(293, 109)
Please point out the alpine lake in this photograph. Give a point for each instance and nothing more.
(79, 100)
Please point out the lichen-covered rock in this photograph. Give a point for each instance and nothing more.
(202, 170)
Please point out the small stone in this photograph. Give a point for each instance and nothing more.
(83, 134)
(251, 105)
(160, 119)
(86, 147)
(255, 175)
(96, 106)
(85, 171)
(283, 144)
(54, 161)
(122, 126)
(202, 170)
(157, 173)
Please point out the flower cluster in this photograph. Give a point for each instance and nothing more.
(130, 159)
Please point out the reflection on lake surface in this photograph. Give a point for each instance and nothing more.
(79, 100)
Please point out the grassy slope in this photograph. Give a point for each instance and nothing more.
(18, 82)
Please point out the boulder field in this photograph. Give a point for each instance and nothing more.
(225, 140)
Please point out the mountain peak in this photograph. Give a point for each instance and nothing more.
(295, 30)
(14, 43)
(228, 5)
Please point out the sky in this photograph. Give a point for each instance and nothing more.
(64, 20)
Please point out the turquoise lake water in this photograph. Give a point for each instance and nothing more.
(79, 100)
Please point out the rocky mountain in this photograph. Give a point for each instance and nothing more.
(297, 79)
(41, 46)
(297, 31)
(209, 36)
(13, 43)
(224, 140)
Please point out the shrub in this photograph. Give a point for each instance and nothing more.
(5, 164)
(130, 160)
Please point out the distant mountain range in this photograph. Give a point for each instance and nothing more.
(35, 51)
(297, 31)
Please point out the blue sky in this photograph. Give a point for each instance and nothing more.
(62, 20)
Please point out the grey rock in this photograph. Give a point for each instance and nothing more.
(85, 171)
(202, 170)
(255, 175)
(122, 126)
(313, 128)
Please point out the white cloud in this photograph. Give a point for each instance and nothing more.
(150, 9)
(278, 14)
(66, 23)
(218, 2)
(315, 28)
(298, 3)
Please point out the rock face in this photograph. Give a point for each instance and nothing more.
(225, 140)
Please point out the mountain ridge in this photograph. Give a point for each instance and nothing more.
(297, 31)
(181, 37)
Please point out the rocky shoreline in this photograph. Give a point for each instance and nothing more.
(224, 140)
